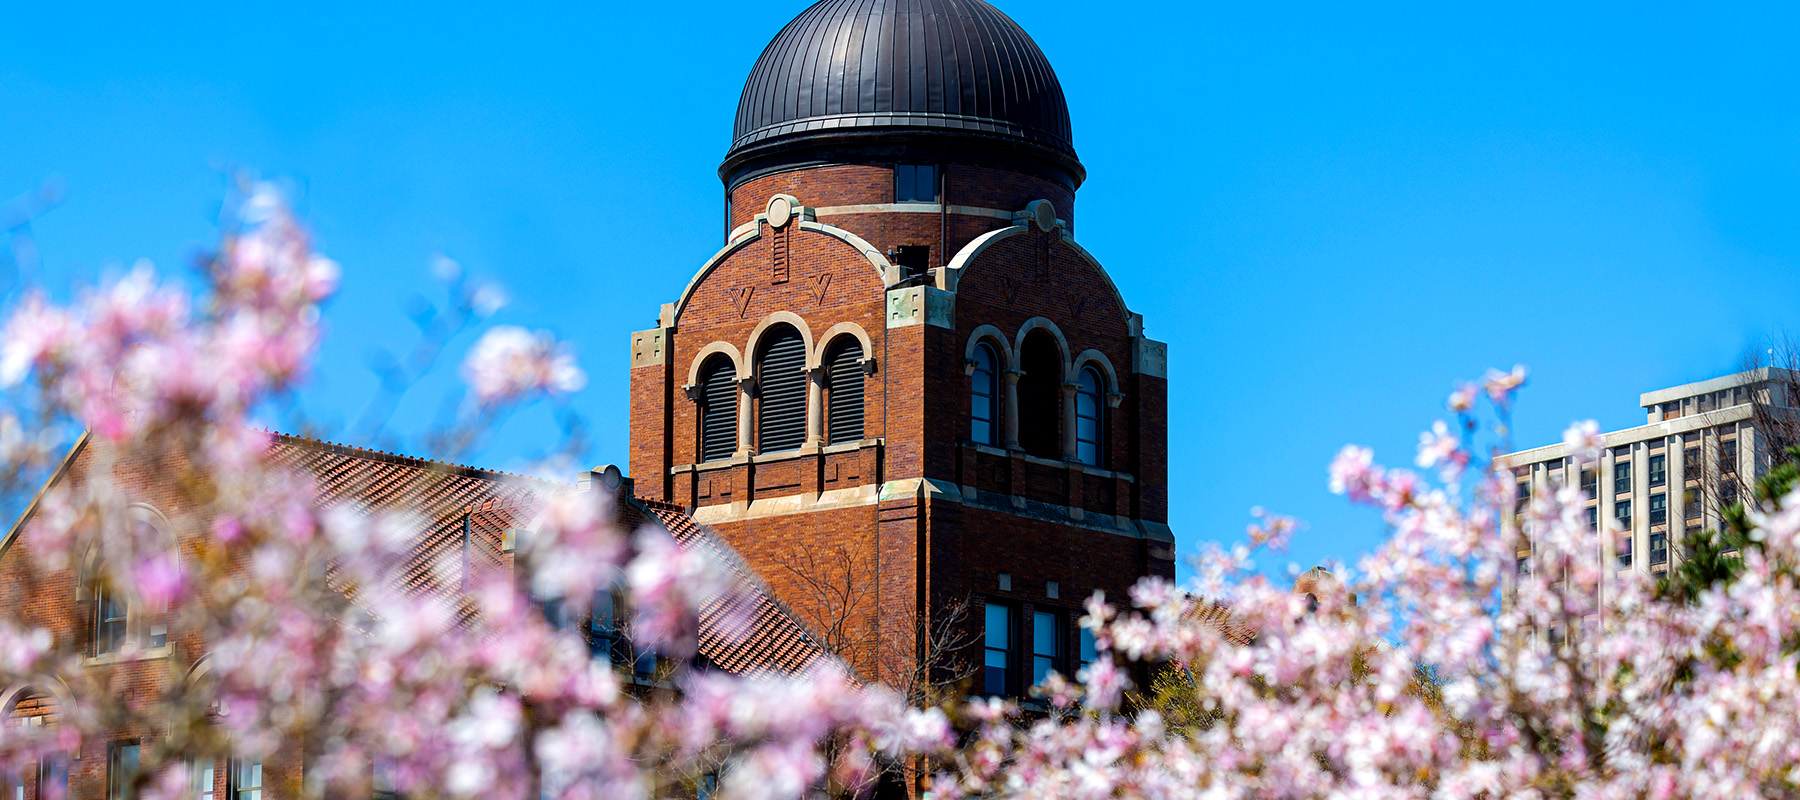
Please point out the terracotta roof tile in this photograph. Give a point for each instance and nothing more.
(438, 496)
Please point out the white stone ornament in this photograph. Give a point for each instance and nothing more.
(1043, 214)
(781, 209)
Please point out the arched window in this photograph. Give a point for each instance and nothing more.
(781, 389)
(1040, 395)
(844, 390)
(984, 396)
(1090, 418)
(718, 408)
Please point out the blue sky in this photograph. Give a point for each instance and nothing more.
(1332, 212)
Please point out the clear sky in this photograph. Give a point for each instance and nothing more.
(1331, 212)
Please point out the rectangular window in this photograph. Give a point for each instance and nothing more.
(1728, 456)
(1728, 492)
(1046, 645)
(1522, 499)
(109, 620)
(1658, 469)
(1659, 549)
(246, 779)
(1088, 651)
(1593, 518)
(1625, 552)
(53, 778)
(1659, 509)
(1622, 512)
(1524, 565)
(1590, 483)
(998, 640)
(1690, 462)
(121, 770)
(1690, 503)
(603, 627)
(915, 183)
(1622, 478)
(202, 783)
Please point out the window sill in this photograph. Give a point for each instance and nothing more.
(773, 458)
(1049, 462)
(126, 656)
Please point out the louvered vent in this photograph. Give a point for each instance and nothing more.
(718, 409)
(781, 387)
(844, 377)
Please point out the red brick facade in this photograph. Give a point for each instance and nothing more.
(937, 518)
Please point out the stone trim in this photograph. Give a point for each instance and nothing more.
(816, 358)
(649, 348)
(1099, 359)
(920, 488)
(914, 208)
(1150, 357)
(730, 350)
(921, 305)
(769, 321)
(1657, 430)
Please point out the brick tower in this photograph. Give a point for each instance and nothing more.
(901, 366)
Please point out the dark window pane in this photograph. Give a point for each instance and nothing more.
(1046, 644)
(904, 181)
(1088, 410)
(984, 396)
(997, 661)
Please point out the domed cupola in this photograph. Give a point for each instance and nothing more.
(856, 80)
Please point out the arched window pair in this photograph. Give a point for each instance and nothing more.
(781, 382)
(1041, 428)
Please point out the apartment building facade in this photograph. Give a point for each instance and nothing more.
(1702, 447)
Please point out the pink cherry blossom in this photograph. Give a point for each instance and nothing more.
(510, 362)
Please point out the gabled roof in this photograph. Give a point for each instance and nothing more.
(443, 497)
(497, 501)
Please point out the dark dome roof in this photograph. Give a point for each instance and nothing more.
(847, 68)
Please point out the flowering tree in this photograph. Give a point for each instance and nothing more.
(289, 629)
(289, 626)
(1462, 677)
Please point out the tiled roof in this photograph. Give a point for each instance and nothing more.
(436, 495)
(1217, 616)
(440, 494)
(774, 639)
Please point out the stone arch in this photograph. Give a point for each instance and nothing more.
(775, 318)
(1062, 343)
(1099, 360)
(991, 335)
(816, 357)
(53, 686)
(727, 348)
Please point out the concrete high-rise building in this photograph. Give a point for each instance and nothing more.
(1701, 448)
